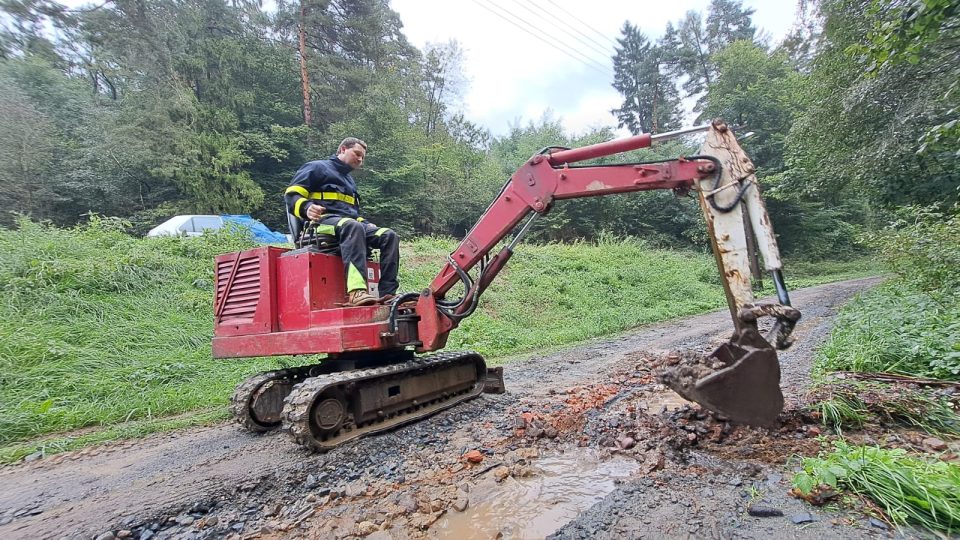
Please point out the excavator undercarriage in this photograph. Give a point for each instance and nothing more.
(274, 301)
(324, 405)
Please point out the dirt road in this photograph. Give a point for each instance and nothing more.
(583, 445)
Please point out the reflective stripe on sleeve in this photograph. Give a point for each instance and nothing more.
(300, 190)
(296, 208)
(380, 231)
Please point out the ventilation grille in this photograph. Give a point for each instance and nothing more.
(244, 294)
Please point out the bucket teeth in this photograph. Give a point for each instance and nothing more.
(746, 389)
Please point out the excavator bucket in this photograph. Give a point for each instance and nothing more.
(740, 380)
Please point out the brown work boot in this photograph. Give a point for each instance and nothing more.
(360, 297)
(387, 298)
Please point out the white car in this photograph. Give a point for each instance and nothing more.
(195, 225)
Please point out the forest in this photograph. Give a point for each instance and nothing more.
(144, 109)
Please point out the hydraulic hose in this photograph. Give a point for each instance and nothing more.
(395, 306)
(717, 173)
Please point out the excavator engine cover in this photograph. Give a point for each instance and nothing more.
(745, 387)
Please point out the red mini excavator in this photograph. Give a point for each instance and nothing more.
(274, 301)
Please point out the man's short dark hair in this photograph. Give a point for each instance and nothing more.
(350, 142)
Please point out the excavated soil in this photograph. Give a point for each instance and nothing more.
(585, 444)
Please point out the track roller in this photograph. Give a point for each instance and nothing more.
(257, 402)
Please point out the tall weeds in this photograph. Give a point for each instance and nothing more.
(910, 489)
(912, 324)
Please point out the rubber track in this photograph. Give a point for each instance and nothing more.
(296, 412)
(240, 401)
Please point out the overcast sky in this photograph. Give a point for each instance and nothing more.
(514, 76)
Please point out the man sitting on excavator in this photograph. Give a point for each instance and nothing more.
(324, 192)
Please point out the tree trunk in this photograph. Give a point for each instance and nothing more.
(304, 76)
(654, 128)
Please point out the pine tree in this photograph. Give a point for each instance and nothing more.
(641, 75)
(727, 21)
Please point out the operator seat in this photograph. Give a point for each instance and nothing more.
(317, 243)
(323, 243)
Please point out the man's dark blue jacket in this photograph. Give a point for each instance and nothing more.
(326, 182)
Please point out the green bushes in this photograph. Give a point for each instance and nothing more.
(911, 325)
(923, 248)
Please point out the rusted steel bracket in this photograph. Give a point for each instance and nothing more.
(786, 318)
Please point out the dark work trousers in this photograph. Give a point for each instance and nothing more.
(354, 237)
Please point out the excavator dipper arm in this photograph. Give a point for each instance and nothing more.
(746, 388)
(740, 379)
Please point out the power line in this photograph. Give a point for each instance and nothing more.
(603, 49)
(538, 11)
(599, 68)
(599, 33)
(557, 44)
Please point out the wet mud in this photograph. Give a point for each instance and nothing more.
(558, 489)
(586, 443)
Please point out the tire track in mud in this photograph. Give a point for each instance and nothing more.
(177, 475)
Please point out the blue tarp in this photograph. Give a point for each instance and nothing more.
(260, 231)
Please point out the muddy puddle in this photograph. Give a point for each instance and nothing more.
(663, 399)
(535, 507)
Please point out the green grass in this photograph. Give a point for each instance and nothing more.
(840, 413)
(920, 490)
(910, 325)
(896, 328)
(850, 405)
(101, 329)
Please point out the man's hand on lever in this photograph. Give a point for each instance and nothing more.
(315, 211)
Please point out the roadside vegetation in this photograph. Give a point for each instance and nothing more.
(903, 488)
(103, 329)
(852, 405)
(909, 327)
